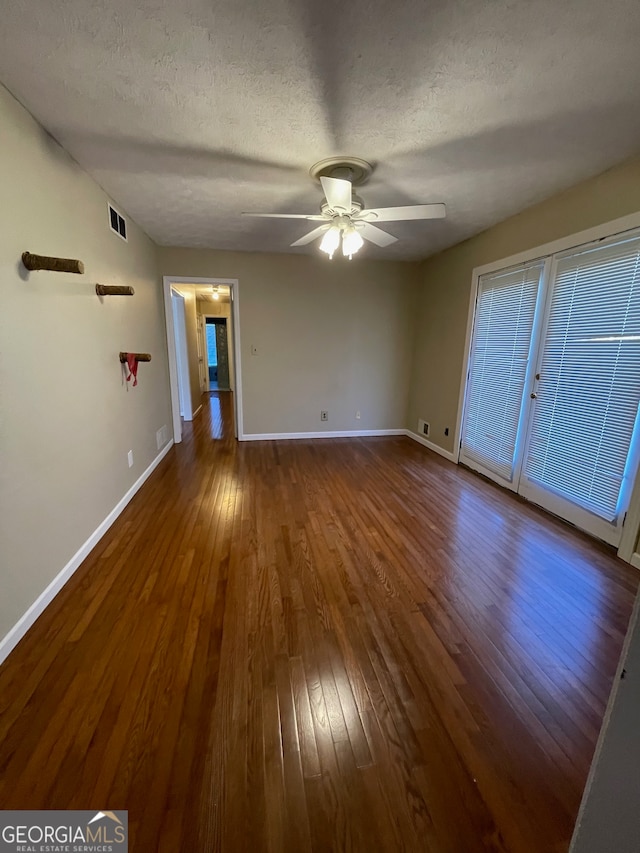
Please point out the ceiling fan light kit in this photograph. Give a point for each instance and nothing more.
(330, 241)
(342, 230)
(344, 218)
(351, 242)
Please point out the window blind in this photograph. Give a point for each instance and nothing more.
(589, 387)
(498, 360)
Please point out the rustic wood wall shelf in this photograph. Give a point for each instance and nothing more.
(43, 262)
(114, 290)
(140, 356)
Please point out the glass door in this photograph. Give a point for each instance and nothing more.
(499, 371)
(582, 433)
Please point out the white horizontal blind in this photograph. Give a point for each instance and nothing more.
(500, 348)
(589, 387)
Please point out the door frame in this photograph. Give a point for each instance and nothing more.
(234, 287)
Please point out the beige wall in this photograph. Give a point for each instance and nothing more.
(190, 312)
(215, 309)
(441, 319)
(67, 419)
(332, 335)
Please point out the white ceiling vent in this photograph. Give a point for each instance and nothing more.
(117, 223)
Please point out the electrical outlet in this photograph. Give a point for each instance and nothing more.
(254, 349)
(130, 458)
(423, 427)
(160, 436)
(446, 430)
(324, 416)
(358, 415)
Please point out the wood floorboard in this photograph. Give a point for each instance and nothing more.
(345, 645)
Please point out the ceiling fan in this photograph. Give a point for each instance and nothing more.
(344, 218)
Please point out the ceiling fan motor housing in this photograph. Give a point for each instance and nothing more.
(351, 169)
(356, 206)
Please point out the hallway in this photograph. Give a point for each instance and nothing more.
(324, 645)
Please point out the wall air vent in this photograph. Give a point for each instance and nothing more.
(117, 223)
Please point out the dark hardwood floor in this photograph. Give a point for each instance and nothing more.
(329, 645)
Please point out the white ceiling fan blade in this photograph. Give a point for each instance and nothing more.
(375, 235)
(410, 211)
(337, 192)
(312, 235)
(315, 217)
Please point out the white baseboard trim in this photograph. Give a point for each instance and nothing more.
(15, 634)
(436, 449)
(197, 412)
(276, 436)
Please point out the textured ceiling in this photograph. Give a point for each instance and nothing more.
(189, 112)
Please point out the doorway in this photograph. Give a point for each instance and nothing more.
(217, 345)
(553, 389)
(205, 288)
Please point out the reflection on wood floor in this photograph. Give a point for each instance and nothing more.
(320, 645)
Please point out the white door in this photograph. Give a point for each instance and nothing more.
(182, 356)
(551, 408)
(581, 450)
(500, 372)
(202, 351)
